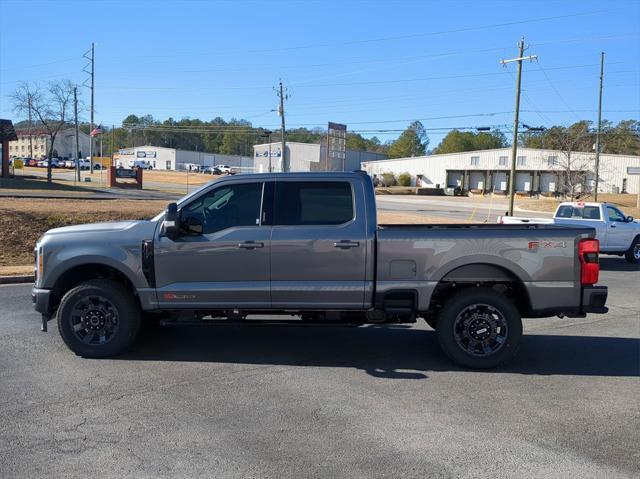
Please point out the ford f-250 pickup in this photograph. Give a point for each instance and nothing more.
(307, 245)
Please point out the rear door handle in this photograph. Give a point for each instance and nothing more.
(250, 245)
(346, 244)
(613, 226)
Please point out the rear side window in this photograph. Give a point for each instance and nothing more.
(587, 213)
(313, 203)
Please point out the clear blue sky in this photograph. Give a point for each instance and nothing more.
(375, 65)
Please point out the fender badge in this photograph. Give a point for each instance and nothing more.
(178, 296)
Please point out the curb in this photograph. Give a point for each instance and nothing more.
(17, 279)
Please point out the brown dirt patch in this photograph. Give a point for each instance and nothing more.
(23, 221)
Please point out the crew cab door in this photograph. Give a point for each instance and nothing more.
(318, 245)
(620, 232)
(227, 265)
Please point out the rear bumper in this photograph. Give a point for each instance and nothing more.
(594, 299)
(40, 299)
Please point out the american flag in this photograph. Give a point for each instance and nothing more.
(97, 131)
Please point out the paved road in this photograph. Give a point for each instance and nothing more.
(323, 402)
(460, 208)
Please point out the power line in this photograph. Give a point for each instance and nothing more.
(385, 39)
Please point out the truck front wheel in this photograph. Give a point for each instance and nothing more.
(99, 318)
(479, 328)
(632, 255)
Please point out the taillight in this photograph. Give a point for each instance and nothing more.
(588, 251)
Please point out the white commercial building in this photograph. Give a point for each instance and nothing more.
(309, 157)
(537, 171)
(160, 158)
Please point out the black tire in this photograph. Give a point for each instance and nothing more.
(632, 255)
(479, 328)
(98, 319)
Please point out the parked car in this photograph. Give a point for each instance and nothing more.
(309, 244)
(55, 163)
(84, 164)
(141, 164)
(618, 233)
(191, 167)
(68, 164)
(226, 169)
(211, 170)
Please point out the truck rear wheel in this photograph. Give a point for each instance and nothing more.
(99, 318)
(479, 328)
(632, 255)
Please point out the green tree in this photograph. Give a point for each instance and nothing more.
(456, 141)
(412, 142)
(355, 141)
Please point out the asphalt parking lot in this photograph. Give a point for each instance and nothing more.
(324, 401)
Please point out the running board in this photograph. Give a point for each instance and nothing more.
(258, 323)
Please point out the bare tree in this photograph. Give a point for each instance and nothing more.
(52, 105)
(574, 163)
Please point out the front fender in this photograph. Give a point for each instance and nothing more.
(124, 260)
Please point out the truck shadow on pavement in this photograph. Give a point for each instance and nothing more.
(391, 352)
(617, 264)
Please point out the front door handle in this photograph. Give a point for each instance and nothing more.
(346, 244)
(250, 245)
(613, 226)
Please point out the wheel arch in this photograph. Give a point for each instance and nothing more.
(75, 274)
(481, 274)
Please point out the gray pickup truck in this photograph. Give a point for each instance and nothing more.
(308, 246)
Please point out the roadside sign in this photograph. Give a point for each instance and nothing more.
(18, 164)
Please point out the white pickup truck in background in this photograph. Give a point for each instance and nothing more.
(618, 234)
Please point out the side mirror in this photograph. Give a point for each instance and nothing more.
(170, 223)
(629, 219)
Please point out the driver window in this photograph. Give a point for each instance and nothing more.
(615, 215)
(226, 207)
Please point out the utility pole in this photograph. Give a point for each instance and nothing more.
(30, 125)
(514, 146)
(283, 96)
(92, 74)
(595, 195)
(113, 128)
(75, 114)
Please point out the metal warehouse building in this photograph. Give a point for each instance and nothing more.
(308, 157)
(161, 158)
(537, 171)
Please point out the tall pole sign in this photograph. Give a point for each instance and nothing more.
(336, 156)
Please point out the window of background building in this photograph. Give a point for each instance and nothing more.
(522, 160)
(552, 161)
(502, 161)
(475, 160)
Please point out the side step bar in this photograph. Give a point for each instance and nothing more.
(258, 323)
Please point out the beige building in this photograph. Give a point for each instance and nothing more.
(64, 146)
